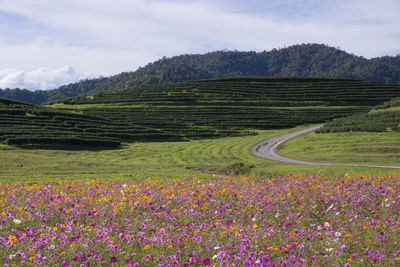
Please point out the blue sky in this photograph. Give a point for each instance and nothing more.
(46, 43)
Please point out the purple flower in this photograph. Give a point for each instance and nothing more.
(113, 259)
(206, 261)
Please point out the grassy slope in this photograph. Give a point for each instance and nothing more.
(370, 148)
(351, 147)
(201, 157)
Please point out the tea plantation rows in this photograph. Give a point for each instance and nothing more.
(26, 124)
(234, 106)
(252, 91)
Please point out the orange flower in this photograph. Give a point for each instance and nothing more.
(12, 239)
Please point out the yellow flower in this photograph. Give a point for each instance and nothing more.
(55, 229)
(12, 239)
(147, 247)
(255, 226)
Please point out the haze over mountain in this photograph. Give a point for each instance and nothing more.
(306, 60)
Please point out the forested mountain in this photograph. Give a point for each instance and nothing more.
(306, 60)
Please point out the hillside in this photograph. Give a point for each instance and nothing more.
(229, 106)
(382, 118)
(306, 60)
(27, 124)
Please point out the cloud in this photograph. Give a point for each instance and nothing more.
(107, 37)
(42, 78)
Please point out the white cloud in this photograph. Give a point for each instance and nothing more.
(107, 37)
(42, 78)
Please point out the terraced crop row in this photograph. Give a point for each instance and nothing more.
(192, 120)
(22, 124)
(328, 91)
(371, 122)
(229, 106)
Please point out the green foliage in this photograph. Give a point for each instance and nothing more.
(239, 169)
(393, 103)
(234, 106)
(26, 124)
(306, 60)
(371, 122)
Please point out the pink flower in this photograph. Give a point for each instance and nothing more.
(206, 261)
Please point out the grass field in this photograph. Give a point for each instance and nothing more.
(350, 147)
(201, 157)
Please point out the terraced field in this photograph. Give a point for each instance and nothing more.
(234, 106)
(26, 124)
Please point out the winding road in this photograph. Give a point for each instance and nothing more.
(266, 150)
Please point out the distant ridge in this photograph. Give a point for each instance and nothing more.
(305, 60)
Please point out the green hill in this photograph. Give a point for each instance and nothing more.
(234, 106)
(27, 124)
(306, 60)
(382, 118)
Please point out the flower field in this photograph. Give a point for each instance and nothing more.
(293, 219)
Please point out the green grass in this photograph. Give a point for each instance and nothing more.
(351, 147)
(172, 159)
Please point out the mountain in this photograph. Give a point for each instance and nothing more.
(305, 60)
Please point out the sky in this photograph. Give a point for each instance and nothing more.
(47, 43)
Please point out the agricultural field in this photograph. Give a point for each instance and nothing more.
(371, 138)
(233, 106)
(26, 124)
(292, 219)
(205, 157)
(382, 118)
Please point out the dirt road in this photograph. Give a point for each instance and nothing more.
(266, 149)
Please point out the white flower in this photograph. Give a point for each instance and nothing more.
(257, 261)
(277, 215)
(319, 227)
(254, 219)
(329, 249)
(124, 185)
(326, 224)
(330, 207)
(17, 221)
(216, 247)
(338, 234)
(214, 257)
